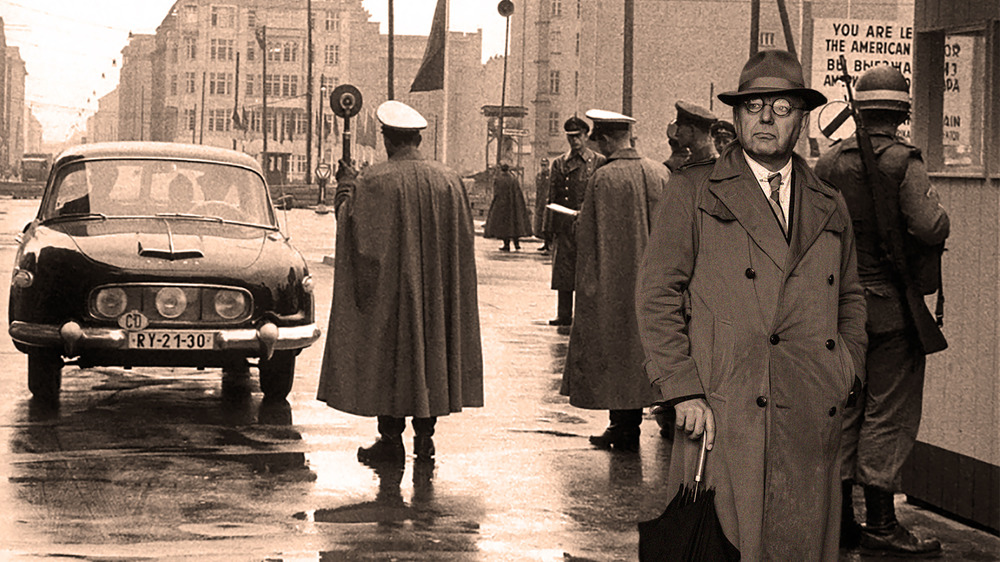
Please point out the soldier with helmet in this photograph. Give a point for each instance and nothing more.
(570, 173)
(880, 431)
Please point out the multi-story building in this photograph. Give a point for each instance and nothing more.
(103, 125)
(33, 136)
(201, 79)
(566, 56)
(14, 108)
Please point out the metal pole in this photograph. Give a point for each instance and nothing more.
(754, 26)
(262, 40)
(201, 133)
(503, 90)
(309, 90)
(627, 57)
(392, 53)
(787, 27)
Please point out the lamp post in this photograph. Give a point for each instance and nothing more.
(506, 9)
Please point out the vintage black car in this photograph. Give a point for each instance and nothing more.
(158, 254)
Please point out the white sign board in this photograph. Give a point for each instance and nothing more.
(958, 60)
(864, 43)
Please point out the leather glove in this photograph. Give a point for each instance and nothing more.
(346, 172)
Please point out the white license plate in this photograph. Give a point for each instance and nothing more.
(170, 339)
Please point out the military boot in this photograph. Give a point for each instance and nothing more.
(850, 529)
(423, 442)
(883, 535)
(623, 432)
(388, 448)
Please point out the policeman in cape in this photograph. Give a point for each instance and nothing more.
(567, 179)
(880, 431)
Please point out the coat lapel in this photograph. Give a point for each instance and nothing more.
(734, 186)
(814, 205)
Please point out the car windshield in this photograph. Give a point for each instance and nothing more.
(147, 187)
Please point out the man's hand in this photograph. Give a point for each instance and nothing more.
(695, 417)
(346, 172)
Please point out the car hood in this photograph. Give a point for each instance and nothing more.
(158, 244)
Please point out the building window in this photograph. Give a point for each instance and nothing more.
(301, 123)
(189, 82)
(290, 52)
(554, 82)
(189, 119)
(220, 83)
(576, 83)
(556, 8)
(221, 49)
(251, 19)
(274, 52)
(174, 53)
(272, 86)
(328, 82)
(767, 39)
(220, 120)
(251, 50)
(250, 81)
(331, 55)
(579, 8)
(554, 123)
(332, 21)
(289, 86)
(555, 42)
(576, 50)
(223, 16)
(191, 48)
(173, 84)
(191, 14)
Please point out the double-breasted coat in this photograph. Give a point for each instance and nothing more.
(404, 325)
(605, 357)
(772, 333)
(567, 180)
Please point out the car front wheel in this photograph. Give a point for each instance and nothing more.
(277, 375)
(45, 374)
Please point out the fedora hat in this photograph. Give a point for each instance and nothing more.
(772, 72)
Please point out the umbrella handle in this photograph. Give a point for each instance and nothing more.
(701, 460)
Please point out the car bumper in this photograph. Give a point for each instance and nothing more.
(74, 339)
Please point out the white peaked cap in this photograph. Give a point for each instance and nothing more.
(398, 115)
(604, 116)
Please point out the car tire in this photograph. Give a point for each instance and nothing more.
(45, 374)
(277, 375)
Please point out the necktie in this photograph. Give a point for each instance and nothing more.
(775, 181)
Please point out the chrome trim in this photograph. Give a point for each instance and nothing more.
(48, 335)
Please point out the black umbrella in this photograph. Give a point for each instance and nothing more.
(688, 530)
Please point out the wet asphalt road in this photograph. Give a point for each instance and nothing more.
(179, 464)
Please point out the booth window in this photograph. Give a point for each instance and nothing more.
(963, 117)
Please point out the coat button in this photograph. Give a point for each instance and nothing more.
(774, 339)
(830, 344)
(833, 411)
(750, 273)
(761, 401)
(830, 279)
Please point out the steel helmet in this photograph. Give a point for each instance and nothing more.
(883, 87)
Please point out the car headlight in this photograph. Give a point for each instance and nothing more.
(22, 278)
(111, 302)
(230, 304)
(308, 284)
(171, 302)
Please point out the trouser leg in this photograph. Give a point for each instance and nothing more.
(622, 432)
(892, 408)
(423, 444)
(389, 446)
(564, 308)
(390, 427)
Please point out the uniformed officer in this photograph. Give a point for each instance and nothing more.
(694, 124)
(604, 364)
(570, 173)
(723, 132)
(404, 324)
(880, 432)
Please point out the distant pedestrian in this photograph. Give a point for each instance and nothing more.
(404, 325)
(542, 219)
(752, 317)
(604, 364)
(508, 215)
(693, 125)
(570, 173)
(723, 133)
(880, 433)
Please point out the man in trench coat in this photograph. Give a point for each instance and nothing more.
(604, 362)
(404, 325)
(753, 321)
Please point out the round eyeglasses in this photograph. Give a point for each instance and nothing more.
(780, 106)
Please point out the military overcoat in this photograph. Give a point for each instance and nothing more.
(567, 180)
(605, 357)
(772, 333)
(404, 334)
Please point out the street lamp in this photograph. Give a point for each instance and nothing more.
(506, 9)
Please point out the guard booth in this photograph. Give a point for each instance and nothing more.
(276, 167)
(955, 465)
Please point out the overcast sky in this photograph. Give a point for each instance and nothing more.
(72, 48)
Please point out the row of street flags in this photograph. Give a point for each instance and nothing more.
(430, 77)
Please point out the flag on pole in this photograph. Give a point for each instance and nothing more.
(431, 74)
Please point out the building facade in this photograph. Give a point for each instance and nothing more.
(103, 125)
(201, 79)
(14, 109)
